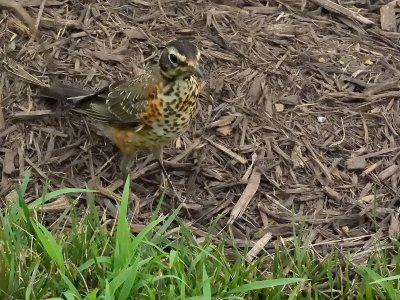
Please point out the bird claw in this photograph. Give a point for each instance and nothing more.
(166, 178)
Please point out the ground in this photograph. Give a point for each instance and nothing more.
(298, 122)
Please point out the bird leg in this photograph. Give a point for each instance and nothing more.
(125, 164)
(157, 152)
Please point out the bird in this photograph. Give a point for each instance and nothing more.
(145, 112)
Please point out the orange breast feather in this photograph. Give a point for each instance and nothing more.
(129, 140)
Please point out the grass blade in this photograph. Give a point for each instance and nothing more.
(390, 278)
(257, 285)
(123, 234)
(50, 245)
(206, 284)
(55, 194)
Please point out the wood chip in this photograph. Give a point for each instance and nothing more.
(8, 131)
(2, 120)
(394, 227)
(35, 167)
(323, 168)
(26, 115)
(8, 164)
(108, 56)
(256, 90)
(372, 168)
(263, 10)
(389, 171)
(388, 16)
(223, 121)
(356, 163)
(258, 246)
(336, 8)
(58, 204)
(135, 34)
(34, 3)
(279, 107)
(245, 198)
(297, 157)
(229, 152)
(331, 193)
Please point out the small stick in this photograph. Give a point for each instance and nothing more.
(336, 8)
(2, 120)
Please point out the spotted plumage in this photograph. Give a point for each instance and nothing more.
(148, 111)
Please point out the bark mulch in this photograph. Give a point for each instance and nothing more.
(298, 123)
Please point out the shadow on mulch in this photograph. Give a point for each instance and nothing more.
(298, 122)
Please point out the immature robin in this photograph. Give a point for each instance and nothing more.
(145, 112)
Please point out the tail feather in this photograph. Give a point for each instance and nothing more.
(64, 93)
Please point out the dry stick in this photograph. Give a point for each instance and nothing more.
(336, 8)
(245, 198)
(259, 245)
(39, 16)
(227, 151)
(2, 121)
(21, 11)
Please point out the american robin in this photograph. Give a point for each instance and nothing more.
(145, 112)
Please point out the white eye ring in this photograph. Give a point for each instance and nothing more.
(173, 58)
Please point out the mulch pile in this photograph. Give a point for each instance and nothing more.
(298, 122)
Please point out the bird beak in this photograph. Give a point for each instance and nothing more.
(199, 72)
(195, 69)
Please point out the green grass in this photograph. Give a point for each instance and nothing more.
(88, 260)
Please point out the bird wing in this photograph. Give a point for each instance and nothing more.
(121, 103)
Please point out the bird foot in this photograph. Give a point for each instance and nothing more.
(167, 179)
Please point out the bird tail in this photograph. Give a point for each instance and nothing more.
(64, 93)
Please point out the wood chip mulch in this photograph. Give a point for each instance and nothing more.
(298, 123)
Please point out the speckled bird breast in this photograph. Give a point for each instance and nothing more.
(177, 103)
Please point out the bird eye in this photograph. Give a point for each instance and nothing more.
(173, 58)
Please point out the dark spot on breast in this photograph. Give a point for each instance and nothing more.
(170, 90)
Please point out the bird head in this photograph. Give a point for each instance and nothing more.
(180, 58)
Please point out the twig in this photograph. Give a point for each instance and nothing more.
(224, 149)
(2, 121)
(245, 198)
(259, 245)
(336, 8)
